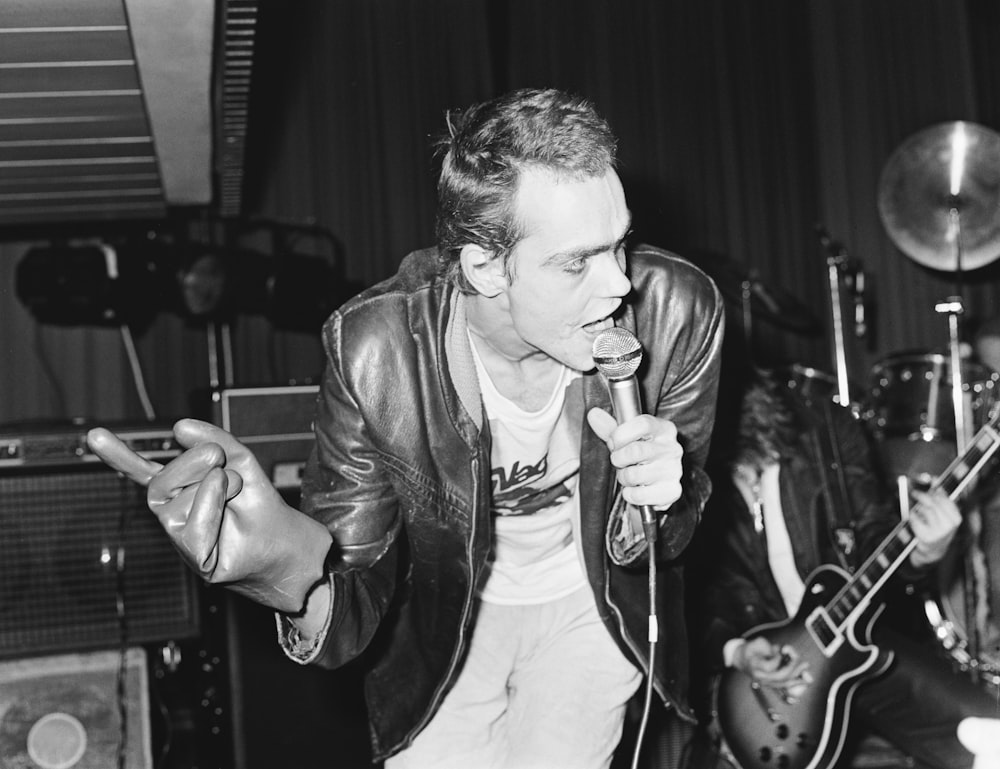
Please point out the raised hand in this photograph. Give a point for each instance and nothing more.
(224, 516)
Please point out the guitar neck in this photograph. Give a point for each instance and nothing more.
(895, 548)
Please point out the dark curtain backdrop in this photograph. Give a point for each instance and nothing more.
(743, 125)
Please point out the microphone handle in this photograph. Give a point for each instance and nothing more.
(626, 400)
(625, 397)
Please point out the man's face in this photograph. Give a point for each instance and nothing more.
(569, 268)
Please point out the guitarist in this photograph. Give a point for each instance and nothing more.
(770, 522)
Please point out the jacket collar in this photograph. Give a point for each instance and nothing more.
(461, 365)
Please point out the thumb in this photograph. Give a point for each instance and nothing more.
(602, 423)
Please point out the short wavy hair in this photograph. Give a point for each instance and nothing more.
(486, 149)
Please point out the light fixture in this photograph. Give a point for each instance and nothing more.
(90, 284)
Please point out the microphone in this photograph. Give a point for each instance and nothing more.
(618, 355)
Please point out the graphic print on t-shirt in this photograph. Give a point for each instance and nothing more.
(535, 463)
(535, 460)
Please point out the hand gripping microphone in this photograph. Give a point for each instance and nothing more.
(618, 354)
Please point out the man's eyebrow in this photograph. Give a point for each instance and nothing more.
(585, 253)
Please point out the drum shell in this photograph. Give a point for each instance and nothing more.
(813, 384)
(910, 409)
(911, 395)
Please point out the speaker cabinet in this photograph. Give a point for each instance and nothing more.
(273, 422)
(84, 564)
(284, 714)
(75, 711)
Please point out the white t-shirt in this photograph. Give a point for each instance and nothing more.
(764, 501)
(535, 501)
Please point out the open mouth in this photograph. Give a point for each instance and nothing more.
(598, 325)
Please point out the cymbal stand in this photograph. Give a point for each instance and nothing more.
(835, 263)
(954, 308)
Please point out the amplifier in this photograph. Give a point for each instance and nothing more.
(84, 564)
(41, 446)
(275, 423)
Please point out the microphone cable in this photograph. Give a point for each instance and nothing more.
(653, 637)
(618, 354)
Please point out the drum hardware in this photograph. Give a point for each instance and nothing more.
(765, 302)
(841, 268)
(939, 200)
(910, 409)
(957, 646)
(965, 650)
(813, 384)
(756, 300)
(954, 309)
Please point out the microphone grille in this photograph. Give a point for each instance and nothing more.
(617, 353)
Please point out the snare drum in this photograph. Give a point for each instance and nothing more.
(911, 414)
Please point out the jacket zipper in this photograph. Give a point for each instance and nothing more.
(457, 655)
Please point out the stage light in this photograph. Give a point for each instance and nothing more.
(90, 284)
(129, 284)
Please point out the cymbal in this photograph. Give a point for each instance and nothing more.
(767, 302)
(939, 196)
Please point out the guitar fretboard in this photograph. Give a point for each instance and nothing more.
(894, 549)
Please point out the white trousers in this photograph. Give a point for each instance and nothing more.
(542, 687)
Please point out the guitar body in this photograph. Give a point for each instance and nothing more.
(761, 726)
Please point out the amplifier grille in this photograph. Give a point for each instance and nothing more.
(62, 531)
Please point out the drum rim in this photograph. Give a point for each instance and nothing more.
(808, 371)
(932, 357)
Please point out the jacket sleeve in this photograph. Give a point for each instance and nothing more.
(685, 336)
(730, 589)
(346, 487)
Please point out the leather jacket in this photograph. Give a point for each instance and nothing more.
(401, 477)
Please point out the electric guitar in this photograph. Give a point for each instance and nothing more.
(764, 727)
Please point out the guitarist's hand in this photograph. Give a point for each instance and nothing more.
(776, 666)
(934, 520)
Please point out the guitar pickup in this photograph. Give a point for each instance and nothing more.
(824, 631)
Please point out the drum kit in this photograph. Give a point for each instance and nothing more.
(939, 201)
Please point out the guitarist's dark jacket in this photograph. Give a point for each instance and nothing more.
(731, 584)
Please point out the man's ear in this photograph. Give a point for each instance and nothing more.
(484, 272)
